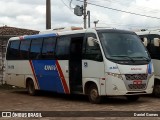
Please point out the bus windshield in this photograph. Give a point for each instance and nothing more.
(123, 46)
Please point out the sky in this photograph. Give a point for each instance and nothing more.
(31, 14)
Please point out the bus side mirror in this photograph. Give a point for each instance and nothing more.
(156, 42)
(91, 41)
(145, 42)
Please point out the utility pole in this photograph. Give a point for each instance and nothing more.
(84, 14)
(79, 11)
(48, 14)
(88, 13)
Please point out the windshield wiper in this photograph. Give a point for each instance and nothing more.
(145, 58)
(125, 56)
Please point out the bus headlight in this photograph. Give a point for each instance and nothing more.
(116, 75)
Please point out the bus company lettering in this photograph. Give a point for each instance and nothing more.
(49, 67)
(113, 68)
(10, 66)
(136, 68)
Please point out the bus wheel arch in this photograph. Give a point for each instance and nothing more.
(91, 90)
(30, 86)
(156, 89)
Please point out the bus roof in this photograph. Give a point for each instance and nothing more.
(150, 31)
(117, 31)
(75, 30)
(62, 29)
(32, 36)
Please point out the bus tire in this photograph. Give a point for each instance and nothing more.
(30, 88)
(94, 95)
(132, 98)
(156, 90)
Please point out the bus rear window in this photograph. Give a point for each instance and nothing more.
(13, 50)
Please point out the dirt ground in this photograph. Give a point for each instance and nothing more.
(14, 99)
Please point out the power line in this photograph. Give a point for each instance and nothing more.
(70, 4)
(65, 4)
(121, 10)
(103, 22)
(144, 9)
(118, 24)
(115, 23)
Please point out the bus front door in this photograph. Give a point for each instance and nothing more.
(75, 65)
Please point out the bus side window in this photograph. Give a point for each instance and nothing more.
(144, 41)
(93, 52)
(24, 49)
(48, 49)
(35, 51)
(13, 50)
(154, 50)
(63, 48)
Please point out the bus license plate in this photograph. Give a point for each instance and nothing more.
(137, 82)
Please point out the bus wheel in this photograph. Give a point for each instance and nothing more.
(132, 98)
(30, 88)
(93, 95)
(156, 90)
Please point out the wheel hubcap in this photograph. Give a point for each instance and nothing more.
(30, 88)
(94, 94)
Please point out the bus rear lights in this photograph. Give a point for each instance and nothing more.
(103, 78)
(116, 75)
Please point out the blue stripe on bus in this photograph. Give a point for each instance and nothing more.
(150, 68)
(39, 36)
(48, 76)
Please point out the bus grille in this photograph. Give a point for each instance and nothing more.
(137, 86)
(136, 76)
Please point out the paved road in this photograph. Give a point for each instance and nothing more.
(19, 100)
